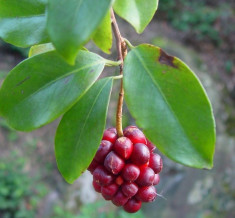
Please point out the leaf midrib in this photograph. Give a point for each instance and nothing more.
(164, 97)
(79, 138)
(57, 79)
(20, 17)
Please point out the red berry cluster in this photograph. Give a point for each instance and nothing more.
(125, 169)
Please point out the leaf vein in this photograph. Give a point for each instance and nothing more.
(164, 97)
(87, 117)
(57, 79)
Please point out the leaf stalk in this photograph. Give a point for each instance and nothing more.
(117, 77)
(110, 63)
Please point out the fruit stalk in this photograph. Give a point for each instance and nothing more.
(122, 52)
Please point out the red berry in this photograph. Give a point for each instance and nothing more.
(113, 163)
(129, 189)
(146, 194)
(132, 205)
(125, 169)
(130, 172)
(102, 176)
(156, 179)
(130, 127)
(151, 146)
(144, 165)
(146, 177)
(124, 147)
(140, 154)
(110, 134)
(96, 186)
(135, 135)
(155, 162)
(119, 199)
(92, 166)
(103, 150)
(109, 191)
(119, 180)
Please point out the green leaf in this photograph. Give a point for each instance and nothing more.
(23, 23)
(43, 87)
(41, 48)
(71, 23)
(169, 103)
(80, 131)
(103, 36)
(138, 13)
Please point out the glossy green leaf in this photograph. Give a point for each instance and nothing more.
(23, 23)
(137, 12)
(80, 131)
(71, 23)
(103, 35)
(41, 48)
(43, 87)
(169, 103)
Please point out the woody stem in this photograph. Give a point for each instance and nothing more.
(122, 52)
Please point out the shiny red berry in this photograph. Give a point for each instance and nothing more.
(113, 163)
(130, 172)
(144, 165)
(129, 189)
(119, 180)
(146, 177)
(96, 186)
(135, 135)
(124, 147)
(104, 148)
(146, 194)
(151, 146)
(102, 176)
(132, 205)
(140, 154)
(156, 179)
(155, 162)
(109, 191)
(119, 199)
(110, 134)
(93, 166)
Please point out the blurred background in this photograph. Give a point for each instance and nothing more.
(202, 34)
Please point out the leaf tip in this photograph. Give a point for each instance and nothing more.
(208, 168)
(70, 181)
(139, 30)
(208, 164)
(70, 60)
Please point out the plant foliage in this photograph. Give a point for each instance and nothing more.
(61, 78)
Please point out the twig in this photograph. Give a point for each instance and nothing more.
(122, 52)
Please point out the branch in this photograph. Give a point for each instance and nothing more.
(122, 52)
